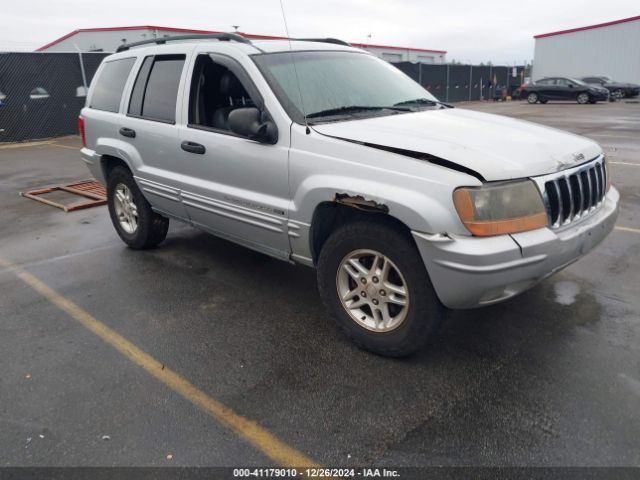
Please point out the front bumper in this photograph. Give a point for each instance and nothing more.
(469, 272)
(600, 95)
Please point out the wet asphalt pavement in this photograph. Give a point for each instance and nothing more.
(551, 377)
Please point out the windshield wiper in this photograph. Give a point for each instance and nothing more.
(423, 101)
(354, 109)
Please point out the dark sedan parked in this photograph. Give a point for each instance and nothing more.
(617, 90)
(560, 88)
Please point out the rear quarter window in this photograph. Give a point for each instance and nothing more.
(110, 85)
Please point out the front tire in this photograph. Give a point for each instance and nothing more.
(374, 284)
(583, 98)
(617, 94)
(532, 98)
(134, 220)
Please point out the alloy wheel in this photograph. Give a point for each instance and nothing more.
(372, 290)
(125, 208)
(617, 94)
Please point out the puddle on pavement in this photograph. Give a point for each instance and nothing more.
(566, 292)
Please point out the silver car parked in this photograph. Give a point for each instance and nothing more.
(321, 154)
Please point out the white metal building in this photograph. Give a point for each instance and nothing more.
(611, 49)
(108, 39)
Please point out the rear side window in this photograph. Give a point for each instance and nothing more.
(110, 84)
(155, 91)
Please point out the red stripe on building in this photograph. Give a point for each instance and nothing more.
(189, 30)
(589, 27)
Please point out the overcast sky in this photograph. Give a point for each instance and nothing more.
(470, 30)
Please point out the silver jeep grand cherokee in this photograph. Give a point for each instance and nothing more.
(321, 154)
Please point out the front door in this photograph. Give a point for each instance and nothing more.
(234, 187)
(565, 89)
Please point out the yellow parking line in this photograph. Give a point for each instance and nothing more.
(260, 438)
(628, 229)
(25, 144)
(64, 146)
(624, 163)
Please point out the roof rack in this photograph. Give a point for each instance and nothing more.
(223, 37)
(324, 40)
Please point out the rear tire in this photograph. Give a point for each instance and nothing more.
(532, 97)
(372, 314)
(134, 220)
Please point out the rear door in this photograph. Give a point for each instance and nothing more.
(150, 127)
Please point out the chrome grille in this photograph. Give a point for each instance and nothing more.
(576, 194)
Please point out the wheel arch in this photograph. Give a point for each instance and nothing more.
(109, 162)
(330, 215)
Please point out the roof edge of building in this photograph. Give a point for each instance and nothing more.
(190, 30)
(588, 27)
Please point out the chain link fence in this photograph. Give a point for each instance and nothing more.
(465, 83)
(41, 94)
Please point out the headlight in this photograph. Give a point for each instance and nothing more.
(500, 208)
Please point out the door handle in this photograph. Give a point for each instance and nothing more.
(193, 147)
(127, 132)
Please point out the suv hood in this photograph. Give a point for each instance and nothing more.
(494, 146)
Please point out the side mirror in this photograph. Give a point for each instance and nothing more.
(251, 123)
(571, 85)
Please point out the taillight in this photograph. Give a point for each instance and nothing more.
(81, 130)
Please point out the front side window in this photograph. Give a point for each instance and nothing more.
(309, 83)
(215, 92)
(110, 85)
(155, 92)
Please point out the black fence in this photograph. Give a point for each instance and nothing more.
(463, 83)
(41, 94)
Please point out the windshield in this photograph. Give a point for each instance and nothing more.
(339, 85)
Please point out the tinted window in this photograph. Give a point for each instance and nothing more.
(545, 82)
(160, 96)
(135, 105)
(110, 84)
